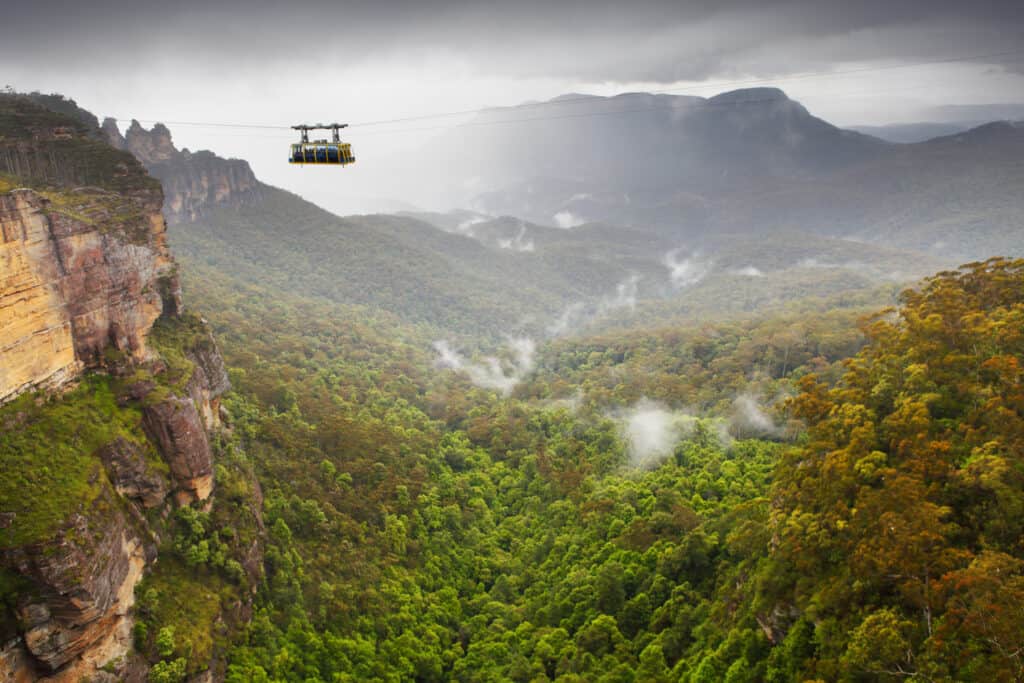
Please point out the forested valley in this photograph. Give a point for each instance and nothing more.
(421, 528)
(246, 439)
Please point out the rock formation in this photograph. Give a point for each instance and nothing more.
(85, 275)
(193, 183)
(84, 578)
(76, 280)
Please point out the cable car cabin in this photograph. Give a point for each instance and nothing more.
(333, 153)
(324, 152)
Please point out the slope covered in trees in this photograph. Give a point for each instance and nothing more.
(420, 528)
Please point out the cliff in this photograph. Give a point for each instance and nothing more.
(109, 408)
(193, 182)
(82, 273)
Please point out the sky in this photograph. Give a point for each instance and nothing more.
(259, 62)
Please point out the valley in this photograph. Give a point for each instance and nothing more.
(728, 410)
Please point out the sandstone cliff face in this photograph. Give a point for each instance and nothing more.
(84, 578)
(193, 182)
(85, 275)
(75, 284)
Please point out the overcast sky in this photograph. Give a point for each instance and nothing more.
(848, 61)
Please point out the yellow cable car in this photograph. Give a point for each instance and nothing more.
(322, 152)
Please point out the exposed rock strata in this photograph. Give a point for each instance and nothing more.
(131, 475)
(73, 286)
(84, 579)
(193, 182)
(84, 274)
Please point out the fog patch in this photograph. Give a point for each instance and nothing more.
(749, 419)
(566, 220)
(466, 226)
(817, 264)
(686, 269)
(624, 297)
(580, 314)
(491, 372)
(518, 243)
(748, 271)
(570, 317)
(651, 432)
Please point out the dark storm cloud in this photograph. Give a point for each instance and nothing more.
(598, 40)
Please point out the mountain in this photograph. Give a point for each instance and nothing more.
(109, 417)
(644, 149)
(912, 132)
(713, 194)
(749, 161)
(472, 274)
(746, 465)
(192, 182)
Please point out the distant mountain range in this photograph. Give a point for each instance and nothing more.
(600, 208)
(750, 161)
(909, 133)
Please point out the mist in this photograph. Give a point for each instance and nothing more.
(579, 314)
(520, 243)
(686, 269)
(749, 419)
(651, 431)
(491, 372)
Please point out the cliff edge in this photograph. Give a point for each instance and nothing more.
(110, 416)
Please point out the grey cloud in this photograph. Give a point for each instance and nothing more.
(658, 40)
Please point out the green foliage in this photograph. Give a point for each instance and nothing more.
(421, 529)
(892, 517)
(178, 614)
(171, 671)
(47, 454)
(79, 159)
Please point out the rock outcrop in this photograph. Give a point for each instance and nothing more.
(82, 273)
(193, 182)
(85, 276)
(76, 617)
(131, 475)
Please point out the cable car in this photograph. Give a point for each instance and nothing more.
(333, 153)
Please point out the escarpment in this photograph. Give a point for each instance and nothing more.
(193, 182)
(82, 273)
(109, 406)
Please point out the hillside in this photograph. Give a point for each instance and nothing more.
(485, 278)
(612, 519)
(732, 463)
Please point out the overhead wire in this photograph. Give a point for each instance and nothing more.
(588, 98)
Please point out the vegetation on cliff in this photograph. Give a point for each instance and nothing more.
(48, 147)
(821, 499)
(47, 452)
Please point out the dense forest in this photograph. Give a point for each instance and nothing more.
(420, 528)
(787, 481)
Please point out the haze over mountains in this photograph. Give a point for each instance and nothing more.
(507, 410)
(750, 161)
(598, 206)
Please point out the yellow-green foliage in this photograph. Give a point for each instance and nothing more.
(47, 455)
(172, 337)
(187, 600)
